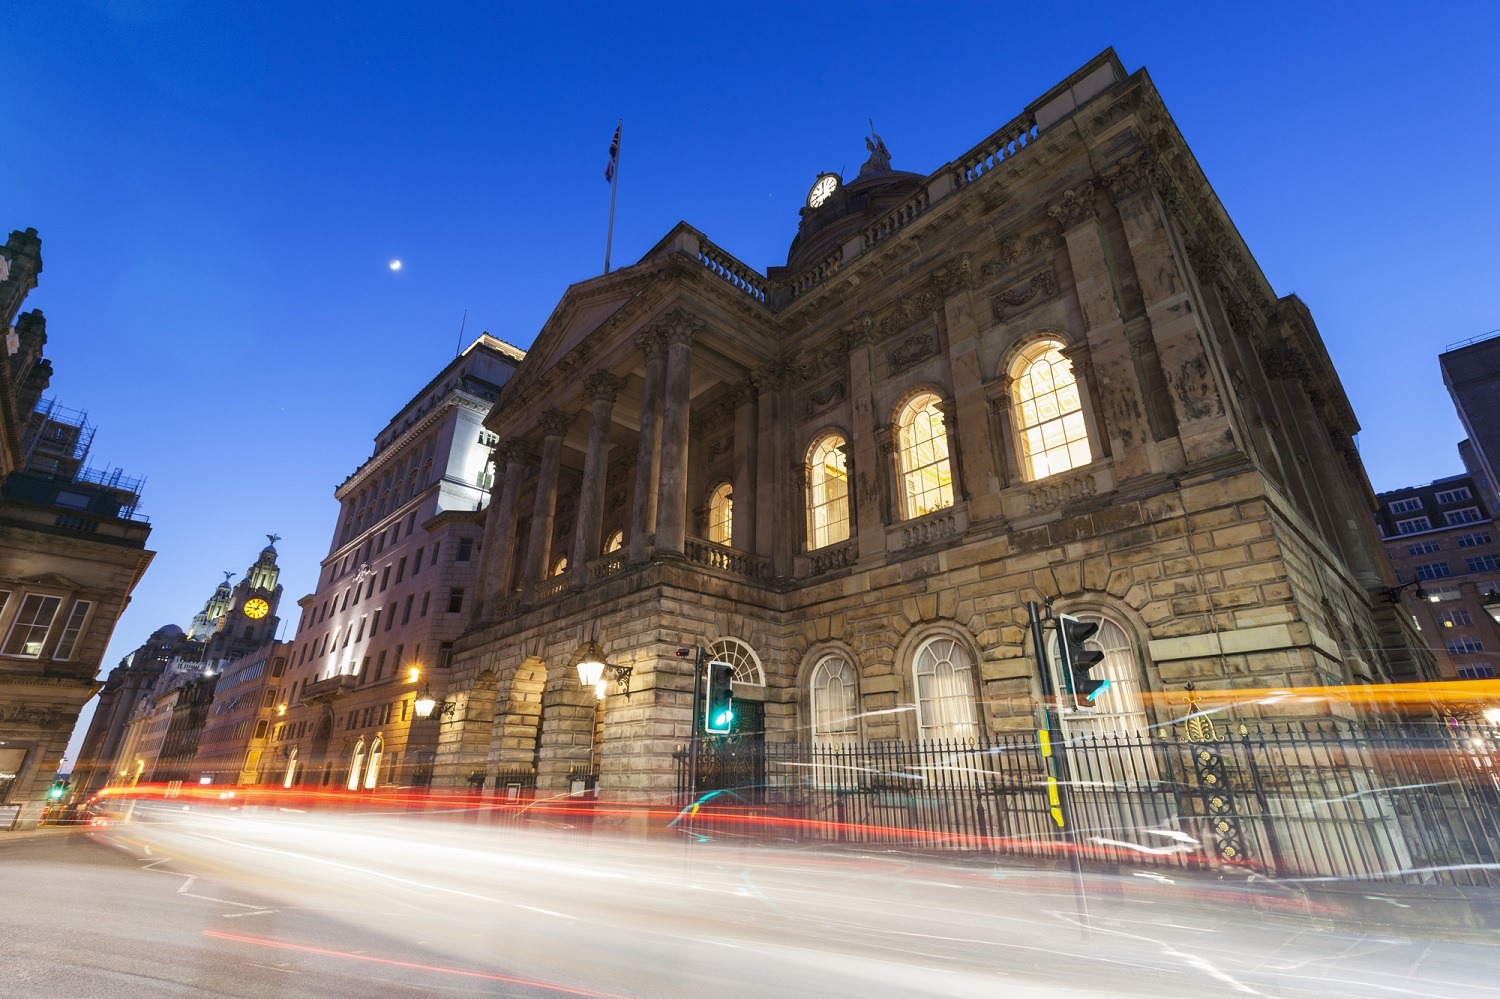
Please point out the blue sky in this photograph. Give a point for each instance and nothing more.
(219, 189)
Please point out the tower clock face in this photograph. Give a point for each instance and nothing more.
(822, 190)
(256, 608)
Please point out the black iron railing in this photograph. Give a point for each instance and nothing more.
(1298, 800)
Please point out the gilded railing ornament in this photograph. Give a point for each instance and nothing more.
(1213, 782)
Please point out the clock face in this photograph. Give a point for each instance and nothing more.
(822, 190)
(256, 608)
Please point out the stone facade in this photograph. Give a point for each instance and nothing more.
(1207, 505)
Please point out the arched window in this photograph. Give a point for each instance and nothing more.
(614, 542)
(1120, 709)
(721, 516)
(1048, 412)
(356, 765)
(560, 566)
(922, 451)
(291, 769)
(827, 492)
(372, 766)
(746, 663)
(943, 677)
(834, 699)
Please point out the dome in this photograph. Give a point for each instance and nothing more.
(851, 207)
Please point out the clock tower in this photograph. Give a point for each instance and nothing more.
(249, 618)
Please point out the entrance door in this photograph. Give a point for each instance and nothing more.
(736, 763)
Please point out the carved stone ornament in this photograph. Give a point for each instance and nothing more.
(1075, 207)
(769, 376)
(679, 326)
(744, 394)
(651, 343)
(1244, 318)
(907, 311)
(26, 714)
(1006, 303)
(1130, 176)
(886, 438)
(603, 385)
(1056, 494)
(914, 348)
(511, 451)
(820, 399)
(1284, 362)
(721, 446)
(957, 275)
(555, 423)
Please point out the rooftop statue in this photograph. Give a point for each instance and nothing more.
(880, 157)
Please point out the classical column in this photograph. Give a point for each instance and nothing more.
(967, 416)
(769, 492)
(648, 446)
(671, 490)
(602, 387)
(500, 530)
(746, 434)
(539, 546)
(949, 409)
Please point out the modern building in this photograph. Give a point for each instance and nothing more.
(1471, 370)
(72, 549)
(395, 590)
(1049, 368)
(1442, 541)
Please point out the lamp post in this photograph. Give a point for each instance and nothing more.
(426, 705)
(595, 671)
(1393, 593)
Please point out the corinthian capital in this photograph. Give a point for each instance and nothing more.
(651, 343)
(555, 422)
(602, 385)
(678, 326)
(1075, 207)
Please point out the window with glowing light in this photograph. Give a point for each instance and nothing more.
(922, 452)
(827, 492)
(614, 542)
(1048, 412)
(721, 516)
(28, 633)
(356, 765)
(372, 765)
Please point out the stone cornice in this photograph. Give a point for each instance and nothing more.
(457, 399)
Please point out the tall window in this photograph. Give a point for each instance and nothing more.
(1048, 412)
(29, 632)
(291, 769)
(357, 764)
(922, 450)
(834, 700)
(72, 630)
(721, 516)
(372, 766)
(827, 492)
(943, 672)
(614, 542)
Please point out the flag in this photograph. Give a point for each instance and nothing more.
(614, 156)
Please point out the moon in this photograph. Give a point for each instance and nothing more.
(395, 265)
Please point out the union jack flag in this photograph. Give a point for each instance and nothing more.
(614, 156)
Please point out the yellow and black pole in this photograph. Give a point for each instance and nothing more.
(1053, 748)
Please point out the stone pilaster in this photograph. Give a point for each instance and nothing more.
(979, 483)
(500, 530)
(746, 453)
(671, 489)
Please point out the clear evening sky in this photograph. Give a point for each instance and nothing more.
(220, 188)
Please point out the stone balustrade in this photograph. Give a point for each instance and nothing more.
(741, 275)
(821, 560)
(608, 565)
(816, 274)
(1004, 143)
(722, 557)
(933, 527)
(895, 220)
(508, 606)
(551, 587)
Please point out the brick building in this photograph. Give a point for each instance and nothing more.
(1047, 368)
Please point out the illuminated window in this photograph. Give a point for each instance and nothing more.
(834, 701)
(922, 451)
(372, 766)
(559, 567)
(614, 542)
(747, 667)
(356, 764)
(28, 634)
(827, 493)
(721, 516)
(1048, 412)
(943, 672)
(291, 769)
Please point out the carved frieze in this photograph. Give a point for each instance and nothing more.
(721, 446)
(1284, 362)
(955, 276)
(1008, 303)
(1051, 495)
(821, 398)
(26, 714)
(906, 312)
(915, 348)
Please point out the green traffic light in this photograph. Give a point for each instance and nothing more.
(723, 718)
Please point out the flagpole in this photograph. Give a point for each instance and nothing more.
(614, 188)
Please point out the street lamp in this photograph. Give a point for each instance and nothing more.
(426, 704)
(592, 669)
(1393, 593)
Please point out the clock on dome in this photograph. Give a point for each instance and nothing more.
(822, 189)
(256, 608)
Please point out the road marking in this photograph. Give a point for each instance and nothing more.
(274, 967)
(258, 912)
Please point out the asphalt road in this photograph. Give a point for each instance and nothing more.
(217, 903)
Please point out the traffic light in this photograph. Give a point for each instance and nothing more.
(58, 789)
(718, 704)
(1076, 661)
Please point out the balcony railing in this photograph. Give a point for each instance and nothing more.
(722, 557)
(608, 565)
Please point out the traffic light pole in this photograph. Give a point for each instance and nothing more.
(697, 721)
(1055, 754)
